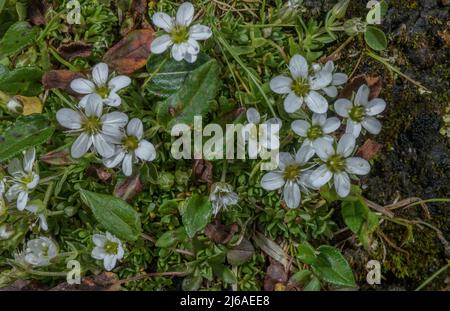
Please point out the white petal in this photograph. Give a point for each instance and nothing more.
(316, 102)
(304, 154)
(331, 91)
(102, 146)
(22, 200)
(81, 145)
(346, 145)
(319, 119)
(342, 184)
(372, 125)
(28, 160)
(300, 127)
(320, 176)
(99, 239)
(82, 86)
(94, 106)
(185, 14)
(291, 194)
(114, 160)
(161, 44)
(83, 102)
(13, 192)
(115, 119)
(109, 262)
(199, 32)
(281, 84)
(320, 80)
(331, 125)
(135, 128)
(127, 165)
(353, 128)
(272, 181)
(98, 253)
(118, 83)
(100, 74)
(164, 21)
(15, 167)
(342, 107)
(375, 106)
(329, 66)
(178, 51)
(34, 181)
(43, 222)
(253, 116)
(113, 100)
(190, 58)
(298, 67)
(69, 118)
(362, 96)
(323, 148)
(357, 166)
(292, 103)
(146, 151)
(193, 47)
(284, 159)
(339, 78)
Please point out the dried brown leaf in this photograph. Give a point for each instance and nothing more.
(220, 233)
(100, 173)
(373, 82)
(106, 281)
(276, 276)
(57, 157)
(36, 11)
(75, 49)
(202, 171)
(60, 79)
(369, 149)
(129, 187)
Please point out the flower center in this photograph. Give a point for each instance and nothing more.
(314, 132)
(179, 34)
(300, 87)
(291, 172)
(357, 113)
(111, 247)
(335, 163)
(92, 125)
(130, 143)
(103, 91)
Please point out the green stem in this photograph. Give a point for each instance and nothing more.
(224, 171)
(431, 278)
(45, 273)
(48, 193)
(429, 201)
(62, 60)
(153, 74)
(63, 98)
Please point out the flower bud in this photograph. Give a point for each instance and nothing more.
(14, 106)
(288, 12)
(340, 8)
(354, 26)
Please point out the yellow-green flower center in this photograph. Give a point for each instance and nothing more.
(92, 125)
(291, 172)
(103, 91)
(314, 132)
(335, 163)
(300, 87)
(179, 34)
(357, 113)
(130, 142)
(111, 247)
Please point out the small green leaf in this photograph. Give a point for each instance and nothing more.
(192, 282)
(24, 81)
(313, 285)
(27, 132)
(332, 267)
(306, 253)
(354, 212)
(241, 253)
(114, 214)
(224, 273)
(300, 277)
(197, 214)
(170, 238)
(17, 37)
(375, 38)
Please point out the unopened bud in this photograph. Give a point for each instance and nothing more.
(340, 8)
(354, 26)
(14, 106)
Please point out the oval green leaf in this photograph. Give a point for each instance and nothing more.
(375, 38)
(17, 37)
(197, 214)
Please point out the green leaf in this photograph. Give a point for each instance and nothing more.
(169, 77)
(313, 285)
(306, 253)
(26, 132)
(375, 38)
(329, 194)
(114, 214)
(17, 37)
(193, 98)
(2, 4)
(354, 212)
(224, 273)
(300, 277)
(197, 214)
(192, 282)
(170, 238)
(332, 267)
(24, 81)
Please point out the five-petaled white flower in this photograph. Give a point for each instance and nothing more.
(222, 196)
(23, 179)
(337, 78)
(103, 86)
(292, 174)
(302, 86)
(336, 161)
(107, 248)
(39, 252)
(132, 147)
(98, 129)
(318, 127)
(360, 112)
(182, 38)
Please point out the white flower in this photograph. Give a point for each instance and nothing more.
(182, 38)
(4, 232)
(360, 112)
(337, 78)
(14, 106)
(338, 163)
(39, 252)
(107, 248)
(24, 179)
(292, 174)
(102, 85)
(96, 129)
(318, 127)
(301, 87)
(132, 147)
(222, 196)
(35, 209)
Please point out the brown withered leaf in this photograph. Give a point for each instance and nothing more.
(241, 253)
(220, 233)
(139, 6)
(276, 277)
(99, 172)
(30, 105)
(75, 49)
(60, 79)
(129, 187)
(36, 11)
(202, 171)
(106, 281)
(130, 53)
(369, 149)
(25, 285)
(57, 157)
(373, 82)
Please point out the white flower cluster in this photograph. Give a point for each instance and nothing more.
(115, 138)
(335, 161)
